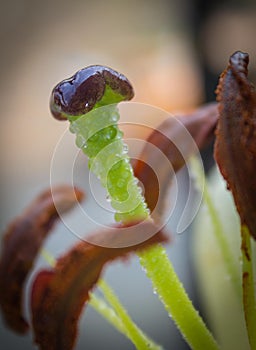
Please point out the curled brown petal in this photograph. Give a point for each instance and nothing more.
(170, 137)
(59, 295)
(21, 243)
(235, 147)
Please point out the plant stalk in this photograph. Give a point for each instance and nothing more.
(248, 286)
(175, 299)
(140, 340)
(155, 261)
(227, 256)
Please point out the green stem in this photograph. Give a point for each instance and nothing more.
(175, 299)
(228, 257)
(108, 313)
(248, 286)
(140, 340)
(48, 257)
(99, 137)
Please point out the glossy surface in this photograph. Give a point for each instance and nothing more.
(90, 87)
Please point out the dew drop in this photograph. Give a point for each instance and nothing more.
(114, 117)
(125, 148)
(135, 181)
(119, 135)
(111, 133)
(139, 190)
(80, 141)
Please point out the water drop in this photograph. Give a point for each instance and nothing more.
(135, 181)
(80, 141)
(114, 117)
(111, 133)
(139, 190)
(125, 148)
(119, 135)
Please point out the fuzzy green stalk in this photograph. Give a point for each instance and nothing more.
(140, 340)
(249, 300)
(107, 313)
(99, 137)
(175, 299)
(226, 253)
(48, 257)
(129, 329)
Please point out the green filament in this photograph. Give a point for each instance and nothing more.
(99, 137)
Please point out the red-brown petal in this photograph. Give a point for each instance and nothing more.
(170, 137)
(235, 147)
(21, 243)
(58, 296)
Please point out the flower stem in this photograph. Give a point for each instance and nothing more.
(175, 299)
(48, 257)
(119, 323)
(107, 312)
(140, 340)
(219, 233)
(248, 286)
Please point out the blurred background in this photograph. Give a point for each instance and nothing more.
(171, 51)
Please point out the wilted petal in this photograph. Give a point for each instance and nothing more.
(59, 295)
(235, 147)
(171, 139)
(21, 243)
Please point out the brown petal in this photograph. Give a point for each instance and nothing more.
(171, 138)
(59, 295)
(235, 147)
(21, 243)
